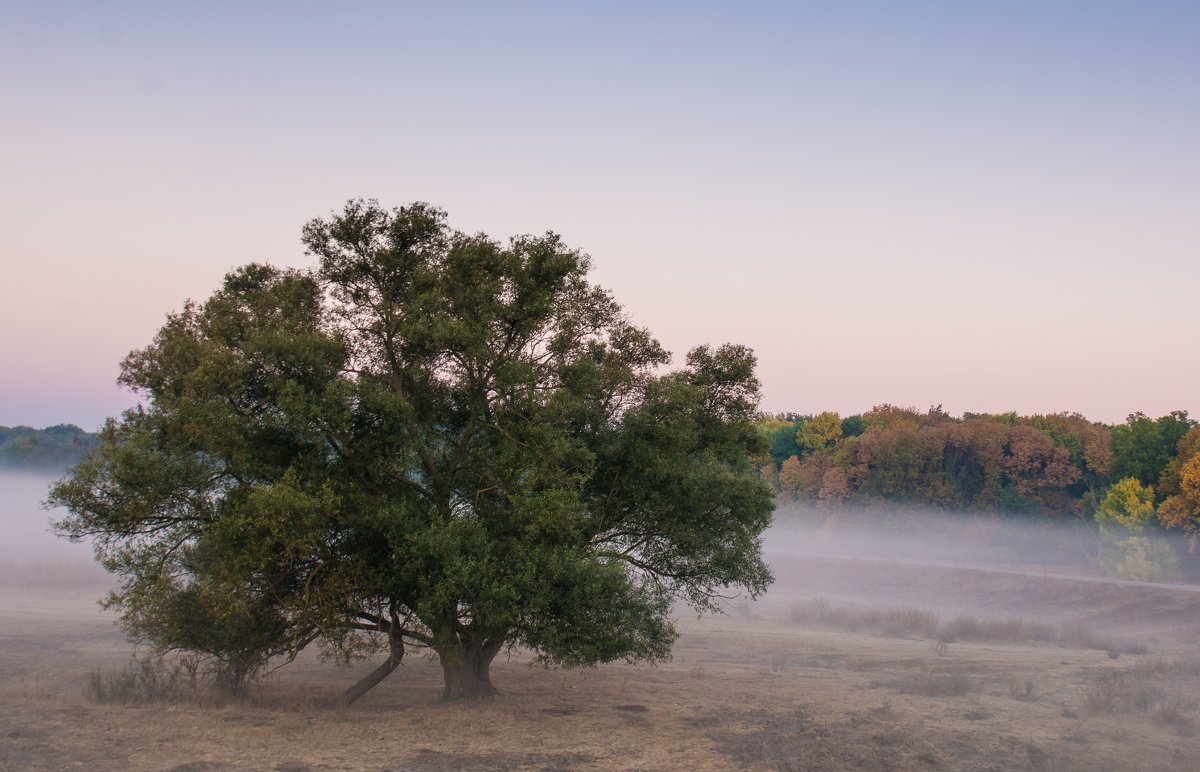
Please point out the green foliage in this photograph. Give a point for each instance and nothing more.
(853, 426)
(55, 447)
(431, 438)
(1011, 502)
(780, 434)
(1143, 447)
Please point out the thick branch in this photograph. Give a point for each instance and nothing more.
(395, 655)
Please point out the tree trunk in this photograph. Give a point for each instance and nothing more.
(396, 646)
(466, 671)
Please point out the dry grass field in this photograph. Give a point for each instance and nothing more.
(845, 665)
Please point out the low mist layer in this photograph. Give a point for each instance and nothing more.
(1068, 545)
(31, 555)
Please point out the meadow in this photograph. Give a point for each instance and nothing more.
(846, 663)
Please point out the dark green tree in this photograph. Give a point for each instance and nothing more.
(1143, 447)
(431, 439)
(853, 426)
(782, 439)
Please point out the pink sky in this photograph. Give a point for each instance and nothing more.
(988, 210)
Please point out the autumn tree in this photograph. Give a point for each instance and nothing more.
(1170, 482)
(899, 460)
(1034, 465)
(973, 463)
(1123, 515)
(887, 416)
(790, 481)
(1128, 505)
(1181, 479)
(821, 432)
(1088, 443)
(430, 440)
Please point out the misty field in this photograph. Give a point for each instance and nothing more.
(846, 664)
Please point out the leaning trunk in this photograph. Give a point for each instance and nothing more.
(395, 654)
(466, 671)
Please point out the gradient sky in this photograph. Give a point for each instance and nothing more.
(991, 206)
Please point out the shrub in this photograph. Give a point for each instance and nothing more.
(938, 685)
(176, 677)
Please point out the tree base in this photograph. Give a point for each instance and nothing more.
(468, 676)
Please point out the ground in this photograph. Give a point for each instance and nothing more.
(814, 676)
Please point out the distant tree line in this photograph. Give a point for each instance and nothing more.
(53, 448)
(1125, 481)
(1128, 482)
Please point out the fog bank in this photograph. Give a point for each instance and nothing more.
(31, 555)
(1066, 544)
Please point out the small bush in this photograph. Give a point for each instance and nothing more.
(1103, 695)
(1154, 667)
(939, 685)
(1022, 689)
(909, 622)
(894, 622)
(781, 662)
(967, 628)
(1173, 715)
(142, 680)
(1079, 636)
(1151, 687)
(1144, 697)
(165, 678)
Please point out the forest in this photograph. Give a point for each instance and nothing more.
(1130, 484)
(52, 448)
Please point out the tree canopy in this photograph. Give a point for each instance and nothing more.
(429, 439)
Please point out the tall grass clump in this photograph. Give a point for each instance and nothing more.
(922, 624)
(170, 678)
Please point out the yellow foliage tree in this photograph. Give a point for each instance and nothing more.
(1122, 515)
(1141, 558)
(820, 432)
(1129, 505)
(1183, 509)
(789, 478)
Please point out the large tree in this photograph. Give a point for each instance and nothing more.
(430, 439)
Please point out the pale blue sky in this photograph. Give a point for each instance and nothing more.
(990, 206)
